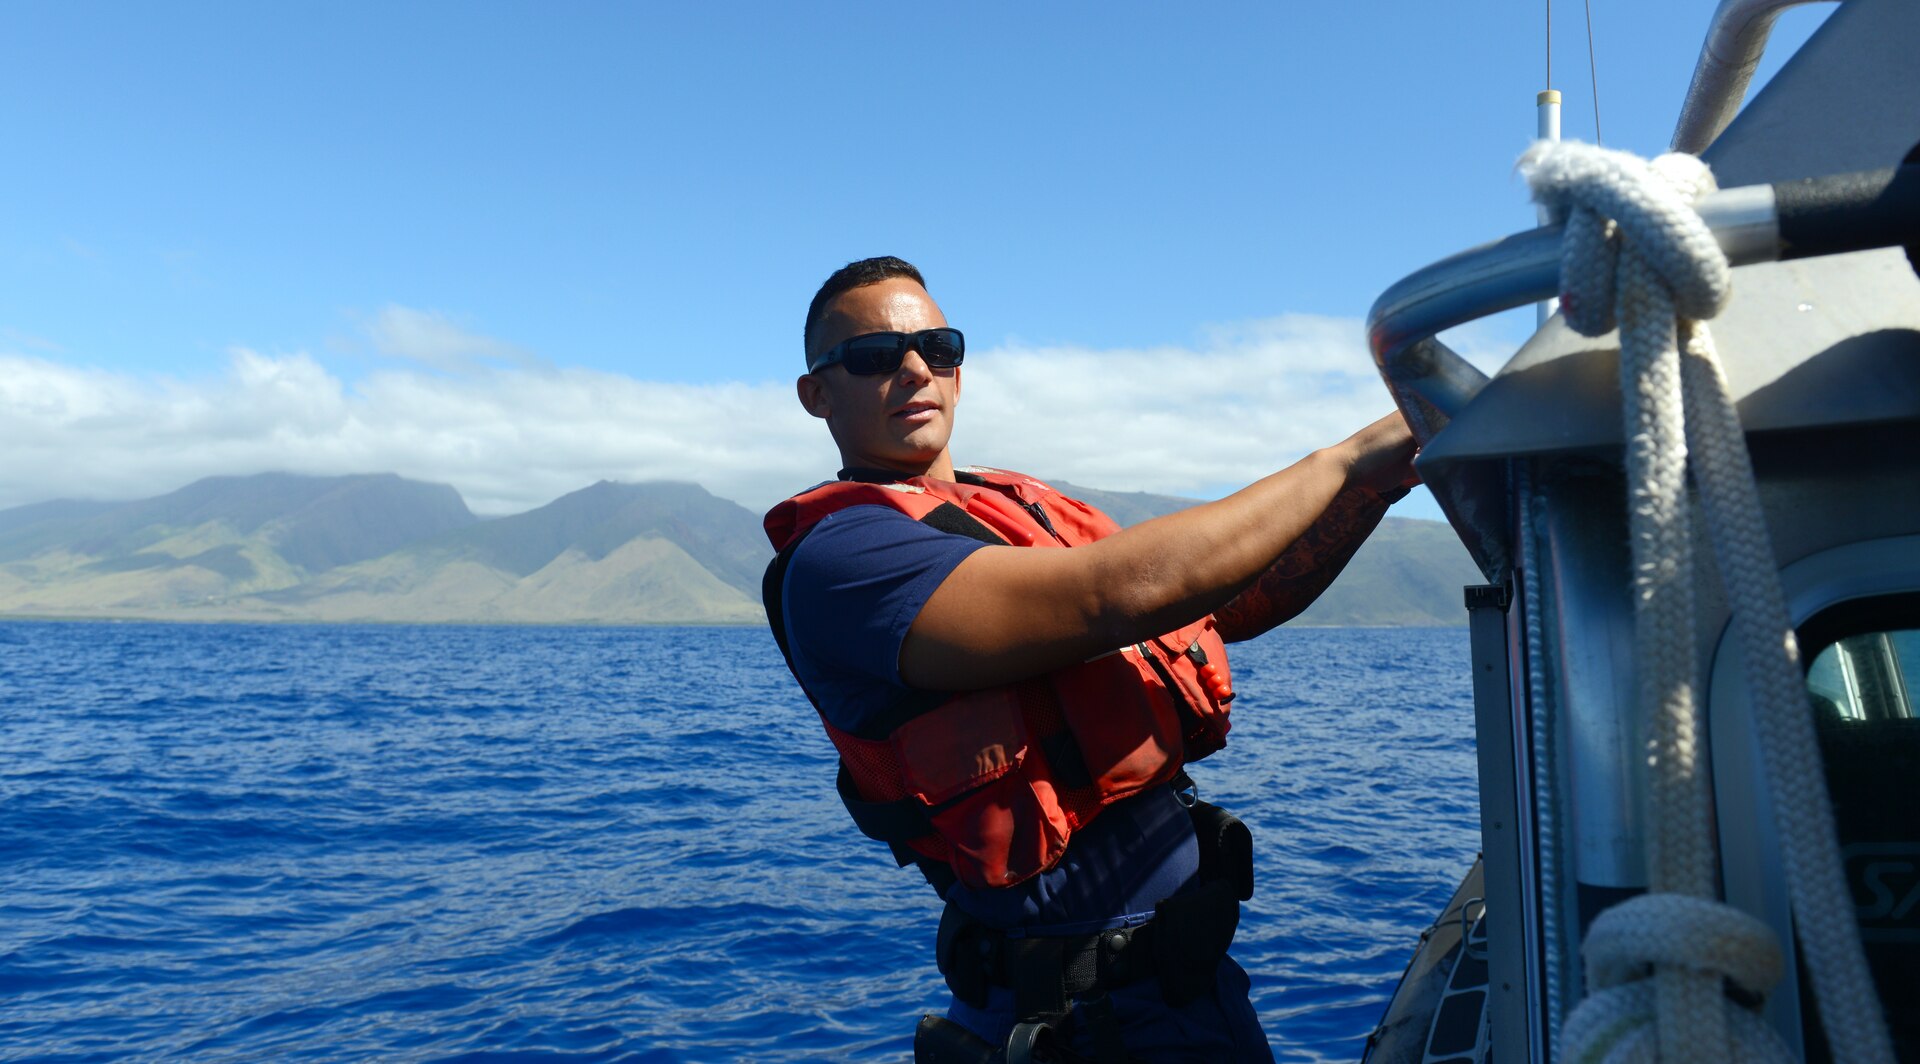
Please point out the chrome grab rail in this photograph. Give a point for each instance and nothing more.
(1735, 41)
(1431, 383)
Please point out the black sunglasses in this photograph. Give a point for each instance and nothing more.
(882, 352)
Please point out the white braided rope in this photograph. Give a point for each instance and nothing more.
(1636, 251)
(1823, 909)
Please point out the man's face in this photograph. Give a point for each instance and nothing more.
(899, 421)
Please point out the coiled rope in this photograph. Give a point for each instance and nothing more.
(1635, 252)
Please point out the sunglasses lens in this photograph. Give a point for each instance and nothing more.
(942, 348)
(878, 353)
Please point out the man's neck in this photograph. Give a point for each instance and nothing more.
(940, 468)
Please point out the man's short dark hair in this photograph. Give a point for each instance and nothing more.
(855, 275)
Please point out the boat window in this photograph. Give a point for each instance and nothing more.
(1867, 677)
(1863, 678)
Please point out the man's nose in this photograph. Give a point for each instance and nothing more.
(913, 368)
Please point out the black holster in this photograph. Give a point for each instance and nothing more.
(1226, 848)
(939, 1040)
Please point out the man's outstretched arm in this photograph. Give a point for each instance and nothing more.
(1307, 568)
(1008, 613)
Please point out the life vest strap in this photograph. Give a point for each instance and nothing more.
(898, 821)
(952, 520)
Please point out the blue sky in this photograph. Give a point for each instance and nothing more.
(521, 247)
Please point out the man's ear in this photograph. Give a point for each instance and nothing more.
(813, 395)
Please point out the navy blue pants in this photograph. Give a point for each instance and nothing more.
(1219, 1026)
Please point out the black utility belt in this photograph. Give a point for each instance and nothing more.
(1181, 946)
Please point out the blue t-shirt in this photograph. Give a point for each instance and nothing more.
(853, 588)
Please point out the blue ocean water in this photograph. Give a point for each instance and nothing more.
(557, 844)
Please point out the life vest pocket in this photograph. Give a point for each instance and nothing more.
(1007, 831)
(946, 754)
(971, 765)
(1123, 721)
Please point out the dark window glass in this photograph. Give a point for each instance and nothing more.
(1866, 706)
(1867, 677)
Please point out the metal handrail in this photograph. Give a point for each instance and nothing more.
(1430, 382)
(1728, 57)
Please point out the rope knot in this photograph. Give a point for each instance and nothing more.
(1705, 941)
(1610, 200)
(1629, 940)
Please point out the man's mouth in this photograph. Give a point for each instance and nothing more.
(917, 411)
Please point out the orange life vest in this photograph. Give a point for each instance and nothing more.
(993, 782)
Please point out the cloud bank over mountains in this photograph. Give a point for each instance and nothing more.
(512, 432)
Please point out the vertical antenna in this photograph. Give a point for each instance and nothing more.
(1548, 103)
(1547, 128)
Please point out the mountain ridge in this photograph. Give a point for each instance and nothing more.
(378, 548)
(323, 521)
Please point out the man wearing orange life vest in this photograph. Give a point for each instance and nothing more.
(1015, 718)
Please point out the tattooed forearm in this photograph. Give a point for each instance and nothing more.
(1305, 569)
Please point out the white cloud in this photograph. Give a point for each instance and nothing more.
(509, 440)
(1244, 402)
(432, 338)
(1248, 400)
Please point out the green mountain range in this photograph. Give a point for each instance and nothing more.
(379, 548)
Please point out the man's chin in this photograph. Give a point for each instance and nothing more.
(906, 456)
(923, 444)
